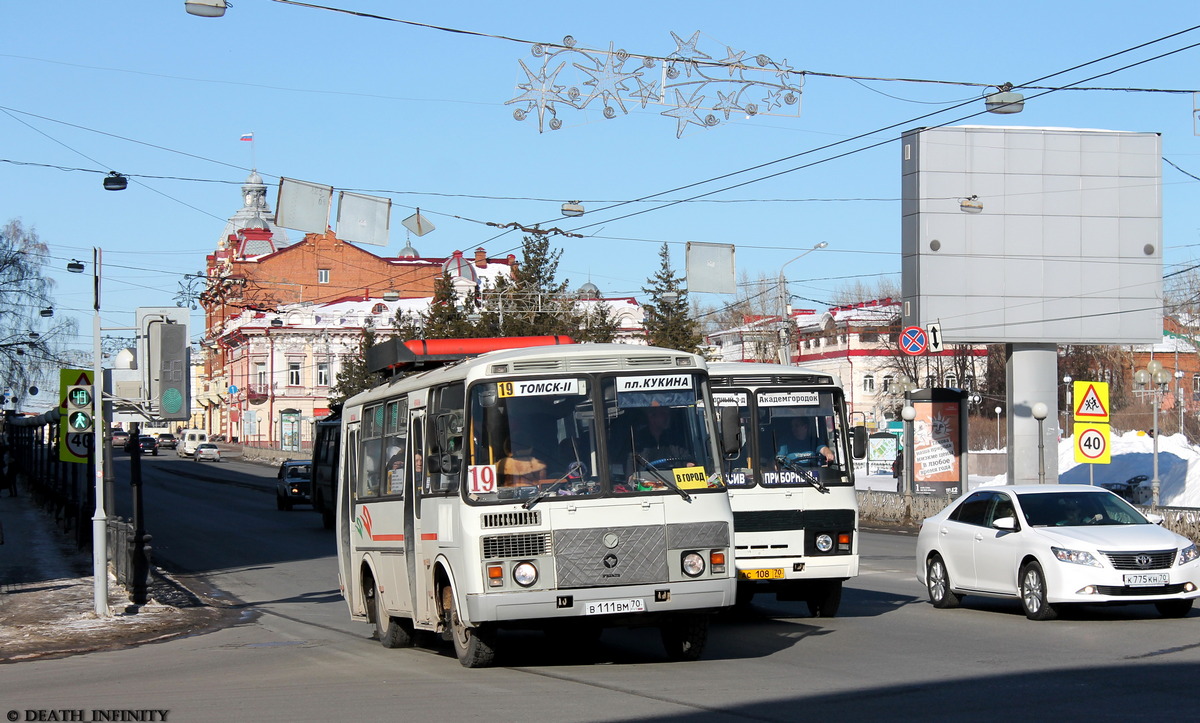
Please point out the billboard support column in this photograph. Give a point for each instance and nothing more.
(1032, 377)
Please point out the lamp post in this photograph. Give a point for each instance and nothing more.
(1179, 392)
(998, 410)
(1153, 374)
(785, 315)
(100, 517)
(1039, 413)
(1070, 410)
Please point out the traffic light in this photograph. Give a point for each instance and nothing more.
(79, 409)
(172, 393)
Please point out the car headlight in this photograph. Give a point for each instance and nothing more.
(1188, 554)
(693, 564)
(525, 574)
(1078, 557)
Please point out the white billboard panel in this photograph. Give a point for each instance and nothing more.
(710, 268)
(1033, 234)
(303, 206)
(363, 219)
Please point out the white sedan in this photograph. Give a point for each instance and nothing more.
(1049, 545)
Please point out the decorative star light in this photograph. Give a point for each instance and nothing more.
(691, 73)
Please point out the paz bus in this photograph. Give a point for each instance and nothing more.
(791, 485)
(501, 487)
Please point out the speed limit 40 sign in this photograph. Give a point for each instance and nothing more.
(1092, 444)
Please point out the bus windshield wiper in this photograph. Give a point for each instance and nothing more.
(571, 469)
(795, 468)
(668, 482)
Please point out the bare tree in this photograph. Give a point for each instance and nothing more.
(32, 338)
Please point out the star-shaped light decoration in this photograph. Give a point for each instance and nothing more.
(773, 100)
(684, 112)
(688, 51)
(646, 92)
(541, 93)
(727, 103)
(733, 60)
(608, 80)
(783, 71)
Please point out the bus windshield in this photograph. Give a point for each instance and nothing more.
(535, 440)
(791, 439)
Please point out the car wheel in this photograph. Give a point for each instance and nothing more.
(279, 502)
(1173, 608)
(937, 583)
(1033, 593)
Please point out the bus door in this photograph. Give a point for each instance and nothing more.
(348, 559)
(417, 565)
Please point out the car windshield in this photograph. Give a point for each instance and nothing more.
(1074, 509)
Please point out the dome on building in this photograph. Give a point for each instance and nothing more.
(589, 291)
(408, 252)
(459, 268)
(255, 214)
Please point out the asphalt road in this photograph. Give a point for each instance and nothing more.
(889, 655)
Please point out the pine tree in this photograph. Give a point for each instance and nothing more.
(354, 376)
(668, 323)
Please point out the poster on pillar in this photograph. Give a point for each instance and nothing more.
(939, 442)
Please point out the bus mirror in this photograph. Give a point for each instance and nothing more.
(731, 431)
(434, 462)
(488, 396)
(860, 442)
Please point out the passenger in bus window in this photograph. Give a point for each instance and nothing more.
(395, 473)
(804, 441)
(658, 442)
(520, 466)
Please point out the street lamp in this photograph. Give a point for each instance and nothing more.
(785, 313)
(1179, 393)
(100, 518)
(1070, 410)
(908, 414)
(1153, 374)
(1039, 413)
(998, 410)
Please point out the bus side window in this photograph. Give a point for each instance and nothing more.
(444, 464)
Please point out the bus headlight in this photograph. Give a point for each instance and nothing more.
(824, 542)
(693, 564)
(525, 574)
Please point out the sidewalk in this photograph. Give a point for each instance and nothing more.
(47, 594)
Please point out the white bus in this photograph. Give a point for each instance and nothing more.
(791, 485)
(520, 488)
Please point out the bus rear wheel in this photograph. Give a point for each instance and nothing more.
(474, 647)
(684, 636)
(392, 632)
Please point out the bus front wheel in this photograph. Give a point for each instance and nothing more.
(824, 599)
(474, 647)
(684, 636)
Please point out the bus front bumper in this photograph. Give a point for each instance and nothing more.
(601, 604)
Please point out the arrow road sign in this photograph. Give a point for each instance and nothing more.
(935, 337)
(914, 341)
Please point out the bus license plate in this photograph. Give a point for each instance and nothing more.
(769, 573)
(610, 607)
(1146, 579)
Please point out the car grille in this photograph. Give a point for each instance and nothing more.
(1156, 560)
(1117, 590)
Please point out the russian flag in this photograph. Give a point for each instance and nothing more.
(247, 137)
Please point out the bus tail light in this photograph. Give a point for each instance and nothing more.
(717, 560)
(495, 575)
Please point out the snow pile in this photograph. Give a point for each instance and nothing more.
(1132, 455)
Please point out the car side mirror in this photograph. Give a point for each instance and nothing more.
(1006, 524)
(1154, 519)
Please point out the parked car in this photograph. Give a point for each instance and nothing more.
(166, 441)
(1051, 545)
(294, 484)
(207, 451)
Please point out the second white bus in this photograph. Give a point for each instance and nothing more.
(795, 511)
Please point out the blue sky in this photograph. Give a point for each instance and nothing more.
(420, 115)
